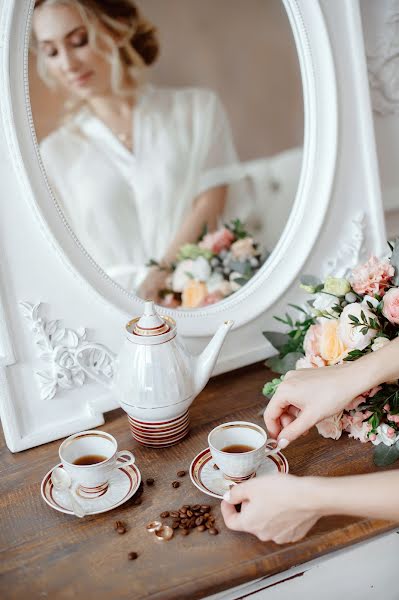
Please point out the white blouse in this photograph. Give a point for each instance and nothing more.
(126, 207)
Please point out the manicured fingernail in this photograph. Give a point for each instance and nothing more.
(283, 443)
(226, 497)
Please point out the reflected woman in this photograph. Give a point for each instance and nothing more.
(139, 170)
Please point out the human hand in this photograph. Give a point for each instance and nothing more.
(307, 396)
(279, 508)
(153, 283)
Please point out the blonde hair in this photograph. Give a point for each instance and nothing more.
(130, 41)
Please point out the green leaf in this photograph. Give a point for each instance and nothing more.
(286, 322)
(289, 320)
(270, 388)
(299, 308)
(310, 280)
(241, 280)
(276, 338)
(282, 365)
(354, 319)
(385, 455)
(394, 260)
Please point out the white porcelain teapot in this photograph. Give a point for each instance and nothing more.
(156, 378)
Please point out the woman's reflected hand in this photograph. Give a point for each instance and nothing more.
(153, 284)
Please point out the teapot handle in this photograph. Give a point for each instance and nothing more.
(98, 354)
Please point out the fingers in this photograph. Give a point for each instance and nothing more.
(231, 516)
(296, 428)
(273, 412)
(237, 494)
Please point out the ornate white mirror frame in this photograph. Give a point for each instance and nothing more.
(46, 275)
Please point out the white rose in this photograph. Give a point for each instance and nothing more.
(352, 336)
(382, 436)
(379, 343)
(201, 269)
(214, 282)
(180, 278)
(324, 303)
(233, 276)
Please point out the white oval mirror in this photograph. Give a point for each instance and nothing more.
(174, 152)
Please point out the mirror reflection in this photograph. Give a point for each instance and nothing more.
(171, 134)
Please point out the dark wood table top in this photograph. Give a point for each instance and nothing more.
(45, 553)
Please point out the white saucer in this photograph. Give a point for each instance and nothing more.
(123, 484)
(211, 481)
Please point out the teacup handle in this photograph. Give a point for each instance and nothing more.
(124, 458)
(271, 442)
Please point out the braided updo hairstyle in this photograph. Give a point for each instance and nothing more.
(129, 39)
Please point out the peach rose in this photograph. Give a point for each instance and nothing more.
(194, 294)
(217, 240)
(243, 249)
(332, 349)
(331, 427)
(311, 343)
(351, 335)
(390, 308)
(373, 277)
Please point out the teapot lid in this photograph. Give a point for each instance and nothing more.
(151, 328)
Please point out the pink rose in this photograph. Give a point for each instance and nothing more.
(311, 343)
(359, 428)
(217, 240)
(373, 277)
(355, 402)
(212, 298)
(390, 308)
(331, 427)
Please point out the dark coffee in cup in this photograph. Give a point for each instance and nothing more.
(89, 459)
(237, 448)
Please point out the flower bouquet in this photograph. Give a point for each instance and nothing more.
(346, 319)
(213, 268)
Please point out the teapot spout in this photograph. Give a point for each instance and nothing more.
(206, 361)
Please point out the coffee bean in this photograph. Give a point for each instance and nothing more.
(183, 509)
(132, 555)
(175, 484)
(186, 506)
(195, 507)
(189, 513)
(181, 473)
(216, 467)
(174, 514)
(164, 514)
(213, 531)
(206, 507)
(199, 520)
(118, 524)
(121, 530)
(206, 515)
(208, 525)
(175, 524)
(185, 531)
(150, 481)
(182, 526)
(201, 528)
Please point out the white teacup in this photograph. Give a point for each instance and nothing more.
(240, 465)
(92, 479)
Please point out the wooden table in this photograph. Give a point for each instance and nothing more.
(45, 553)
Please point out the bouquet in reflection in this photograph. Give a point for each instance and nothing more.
(220, 263)
(344, 320)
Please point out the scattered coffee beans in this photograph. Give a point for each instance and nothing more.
(119, 525)
(121, 530)
(197, 516)
(150, 481)
(132, 555)
(175, 484)
(181, 473)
